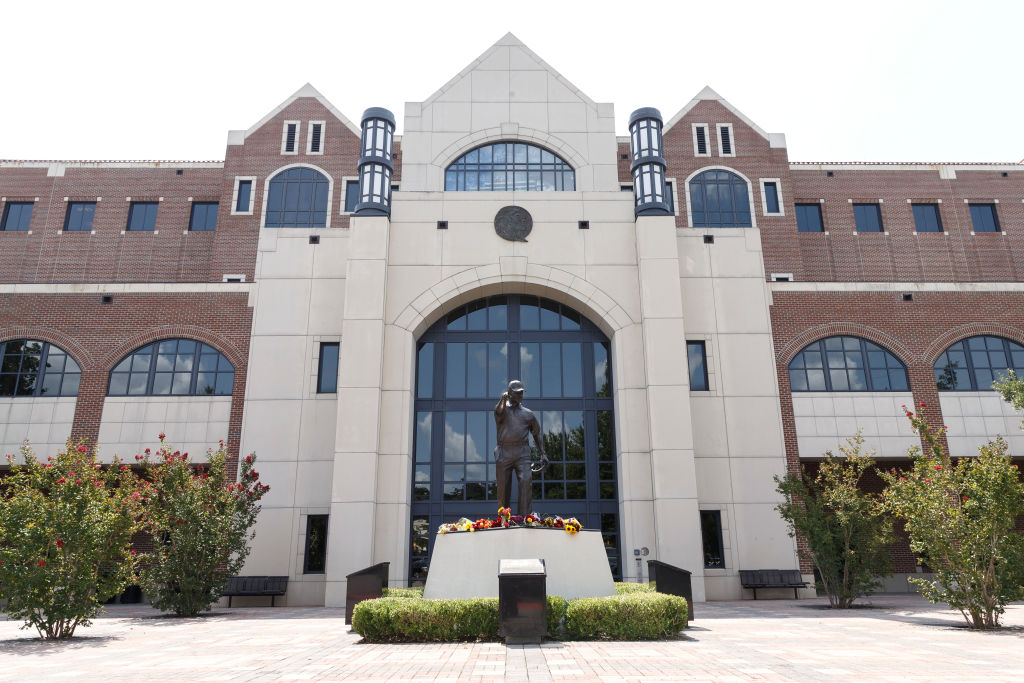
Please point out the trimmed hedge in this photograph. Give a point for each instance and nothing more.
(415, 620)
(641, 615)
(404, 616)
(416, 592)
(622, 588)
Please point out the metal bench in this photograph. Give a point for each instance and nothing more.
(255, 586)
(772, 578)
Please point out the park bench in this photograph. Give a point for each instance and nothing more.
(255, 585)
(771, 578)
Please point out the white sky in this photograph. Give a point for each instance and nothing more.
(865, 81)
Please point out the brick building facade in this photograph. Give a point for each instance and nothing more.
(333, 320)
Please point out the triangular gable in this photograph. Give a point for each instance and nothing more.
(775, 139)
(305, 91)
(509, 40)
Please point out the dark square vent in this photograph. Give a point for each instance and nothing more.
(106, 299)
(442, 225)
(314, 239)
(584, 225)
(908, 296)
(709, 239)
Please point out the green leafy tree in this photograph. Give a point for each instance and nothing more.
(847, 535)
(960, 518)
(66, 526)
(201, 523)
(1011, 388)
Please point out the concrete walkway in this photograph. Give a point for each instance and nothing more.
(899, 638)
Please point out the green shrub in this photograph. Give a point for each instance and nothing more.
(415, 620)
(622, 588)
(557, 606)
(632, 616)
(416, 592)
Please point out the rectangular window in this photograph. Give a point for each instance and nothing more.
(700, 140)
(315, 561)
(771, 200)
(725, 148)
(315, 138)
(204, 216)
(711, 537)
(17, 216)
(696, 357)
(351, 195)
(867, 217)
(670, 198)
(327, 371)
(927, 218)
(243, 195)
(289, 136)
(984, 218)
(142, 216)
(79, 216)
(808, 218)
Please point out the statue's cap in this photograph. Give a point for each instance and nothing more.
(516, 385)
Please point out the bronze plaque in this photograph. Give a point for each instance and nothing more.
(513, 223)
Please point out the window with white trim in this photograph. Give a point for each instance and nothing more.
(701, 146)
(771, 197)
(241, 200)
(290, 137)
(315, 137)
(726, 145)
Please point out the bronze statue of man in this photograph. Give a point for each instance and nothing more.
(515, 423)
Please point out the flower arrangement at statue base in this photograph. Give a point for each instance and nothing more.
(506, 520)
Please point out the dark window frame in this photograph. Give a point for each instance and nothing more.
(351, 197)
(298, 197)
(984, 211)
(205, 207)
(964, 346)
(771, 196)
(327, 384)
(822, 347)
(801, 211)
(923, 213)
(142, 216)
(698, 346)
(730, 214)
(321, 553)
(152, 350)
(11, 378)
(714, 534)
(247, 184)
(5, 220)
(520, 166)
(864, 213)
(84, 216)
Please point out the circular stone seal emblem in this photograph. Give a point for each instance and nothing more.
(513, 223)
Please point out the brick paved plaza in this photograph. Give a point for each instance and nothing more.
(901, 638)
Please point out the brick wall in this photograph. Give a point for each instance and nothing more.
(99, 335)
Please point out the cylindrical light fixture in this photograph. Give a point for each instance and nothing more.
(648, 163)
(375, 164)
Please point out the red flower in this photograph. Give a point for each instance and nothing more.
(922, 404)
(60, 543)
(42, 563)
(134, 551)
(928, 480)
(964, 498)
(147, 451)
(938, 467)
(161, 436)
(61, 480)
(82, 449)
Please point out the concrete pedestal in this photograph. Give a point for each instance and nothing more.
(465, 565)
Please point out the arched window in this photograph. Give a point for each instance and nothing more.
(178, 367)
(509, 166)
(974, 363)
(29, 367)
(719, 199)
(846, 364)
(298, 198)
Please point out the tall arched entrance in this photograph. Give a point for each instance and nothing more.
(463, 364)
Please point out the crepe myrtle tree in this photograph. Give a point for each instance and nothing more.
(960, 517)
(201, 523)
(846, 533)
(66, 526)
